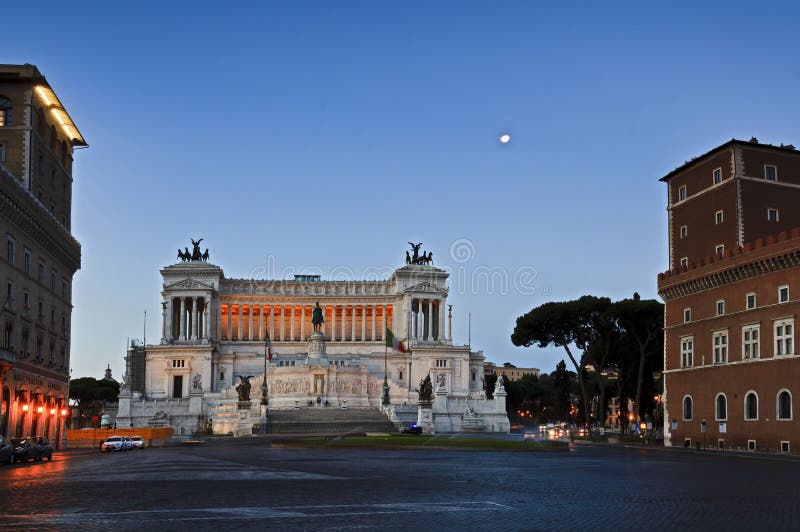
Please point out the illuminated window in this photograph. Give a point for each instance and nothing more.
(5, 111)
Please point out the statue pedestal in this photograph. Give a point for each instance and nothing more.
(317, 355)
(425, 417)
(244, 425)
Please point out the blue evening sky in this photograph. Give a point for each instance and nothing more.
(301, 135)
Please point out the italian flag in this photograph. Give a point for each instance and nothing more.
(268, 346)
(393, 342)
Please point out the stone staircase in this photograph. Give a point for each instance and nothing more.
(329, 420)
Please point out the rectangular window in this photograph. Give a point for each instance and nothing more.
(63, 288)
(53, 280)
(9, 291)
(717, 176)
(772, 215)
(685, 261)
(684, 231)
(718, 217)
(750, 339)
(720, 307)
(720, 342)
(784, 337)
(26, 300)
(783, 294)
(682, 193)
(687, 315)
(720, 250)
(770, 172)
(750, 301)
(687, 352)
(10, 249)
(41, 272)
(27, 262)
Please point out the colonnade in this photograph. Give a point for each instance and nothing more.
(427, 319)
(291, 322)
(185, 318)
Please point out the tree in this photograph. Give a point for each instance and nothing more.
(564, 324)
(562, 384)
(91, 393)
(642, 322)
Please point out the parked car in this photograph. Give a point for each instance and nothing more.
(113, 443)
(26, 449)
(47, 447)
(6, 451)
(137, 442)
(413, 429)
(128, 443)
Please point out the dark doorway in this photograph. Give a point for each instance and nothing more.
(177, 386)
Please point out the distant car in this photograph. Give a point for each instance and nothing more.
(137, 442)
(530, 434)
(413, 429)
(6, 451)
(26, 449)
(113, 443)
(47, 448)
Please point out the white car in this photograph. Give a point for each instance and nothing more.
(126, 440)
(113, 443)
(137, 442)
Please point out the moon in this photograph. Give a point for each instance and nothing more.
(505, 138)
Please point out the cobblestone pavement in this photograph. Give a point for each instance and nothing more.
(246, 484)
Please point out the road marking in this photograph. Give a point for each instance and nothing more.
(252, 513)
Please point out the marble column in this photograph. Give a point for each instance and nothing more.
(344, 322)
(183, 319)
(303, 322)
(261, 323)
(385, 324)
(229, 332)
(163, 323)
(333, 323)
(207, 318)
(250, 325)
(291, 323)
(374, 317)
(170, 319)
(440, 335)
(271, 321)
(194, 318)
(353, 323)
(282, 324)
(429, 336)
(240, 336)
(363, 323)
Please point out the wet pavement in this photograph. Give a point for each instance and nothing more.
(247, 484)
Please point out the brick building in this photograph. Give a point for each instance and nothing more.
(731, 297)
(39, 255)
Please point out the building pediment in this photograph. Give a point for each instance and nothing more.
(189, 284)
(426, 287)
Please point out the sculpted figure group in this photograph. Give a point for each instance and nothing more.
(416, 258)
(195, 255)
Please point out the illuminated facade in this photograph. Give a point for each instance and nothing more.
(40, 255)
(214, 332)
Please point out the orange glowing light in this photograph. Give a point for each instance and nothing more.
(52, 411)
(25, 408)
(64, 412)
(39, 409)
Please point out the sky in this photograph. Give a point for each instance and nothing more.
(322, 136)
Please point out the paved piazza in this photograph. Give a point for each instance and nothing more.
(246, 484)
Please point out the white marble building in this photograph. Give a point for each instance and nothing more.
(214, 332)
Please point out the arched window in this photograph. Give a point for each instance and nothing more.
(5, 111)
(687, 408)
(784, 405)
(722, 407)
(751, 406)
